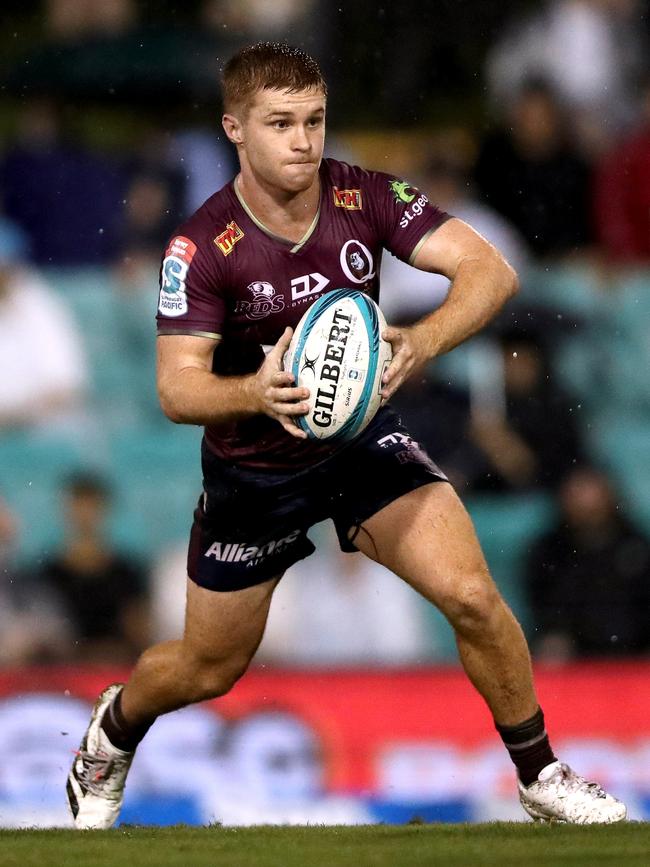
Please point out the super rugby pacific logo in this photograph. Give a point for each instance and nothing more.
(265, 301)
(173, 276)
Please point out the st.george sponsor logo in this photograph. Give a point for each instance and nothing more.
(351, 200)
(265, 301)
(173, 276)
(228, 238)
(334, 352)
(251, 555)
(416, 209)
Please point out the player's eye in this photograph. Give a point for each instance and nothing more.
(280, 124)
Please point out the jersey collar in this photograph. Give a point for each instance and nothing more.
(295, 248)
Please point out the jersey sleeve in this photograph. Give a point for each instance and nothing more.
(191, 299)
(403, 215)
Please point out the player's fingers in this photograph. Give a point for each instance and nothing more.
(282, 379)
(292, 428)
(281, 408)
(288, 394)
(399, 360)
(395, 376)
(392, 335)
(282, 345)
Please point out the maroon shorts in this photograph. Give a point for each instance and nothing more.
(251, 525)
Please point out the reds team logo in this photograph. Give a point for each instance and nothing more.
(349, 199)
(173, 276)
(228, 238)
(265, 301)
(357, 262)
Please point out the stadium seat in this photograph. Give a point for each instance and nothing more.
(32, 468)
(157, 475)
(506, 527)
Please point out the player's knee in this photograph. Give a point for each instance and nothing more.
(473, 605)
(215, 677)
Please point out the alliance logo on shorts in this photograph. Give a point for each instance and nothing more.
(228, 238)
(178, 257)
(351, 200)
(357, 262)
(251, 555)
(265, 301)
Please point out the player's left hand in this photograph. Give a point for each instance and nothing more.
(409, 353)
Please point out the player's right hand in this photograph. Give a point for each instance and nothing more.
(276, 394)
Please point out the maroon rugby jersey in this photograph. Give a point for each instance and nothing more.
(225, 275)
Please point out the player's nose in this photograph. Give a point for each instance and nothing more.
(301, 140)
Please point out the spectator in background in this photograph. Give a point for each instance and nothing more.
(407, 293)
(31, 628)
(66, 199)
(532, 174)
(43, 366)
(71, 20)
(622, 200)
(589, 577)
(531, 439)
(102, 591)
(591, 51)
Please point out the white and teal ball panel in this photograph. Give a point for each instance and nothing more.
(337, 352)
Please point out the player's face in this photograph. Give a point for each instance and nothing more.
(282, 137)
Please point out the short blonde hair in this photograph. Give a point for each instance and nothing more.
(272, 65)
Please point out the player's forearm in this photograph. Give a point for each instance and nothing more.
(480, 288)
(195, 396)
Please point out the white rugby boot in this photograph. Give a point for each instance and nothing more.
(95, 787)
(560, 795)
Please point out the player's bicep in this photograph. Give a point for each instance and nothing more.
(443, 250)
(177, 352)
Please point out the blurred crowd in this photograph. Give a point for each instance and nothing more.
(554, 170)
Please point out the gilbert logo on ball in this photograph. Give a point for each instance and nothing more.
(337, 352)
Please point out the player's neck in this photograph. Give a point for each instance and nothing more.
(287, 215)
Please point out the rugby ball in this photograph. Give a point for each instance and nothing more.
(337, 352)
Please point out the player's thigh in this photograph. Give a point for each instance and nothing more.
(223, 626)
(427, 538)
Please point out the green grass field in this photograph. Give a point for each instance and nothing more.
(503, 844)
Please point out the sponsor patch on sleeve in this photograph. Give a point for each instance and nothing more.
(228, 238)
(178, 257)
(349, 199)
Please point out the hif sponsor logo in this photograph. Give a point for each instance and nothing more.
(243, 552)
(178, 257)
(228, 238)
(351, 200)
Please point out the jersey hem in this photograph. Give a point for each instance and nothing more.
(187, 333)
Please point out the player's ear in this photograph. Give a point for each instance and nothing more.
(233, 128)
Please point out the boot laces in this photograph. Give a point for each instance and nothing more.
(96, 772)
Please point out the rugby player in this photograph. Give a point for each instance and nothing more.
(235, 279)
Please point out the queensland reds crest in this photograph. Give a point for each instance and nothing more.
(357, 262)
(265, 301)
